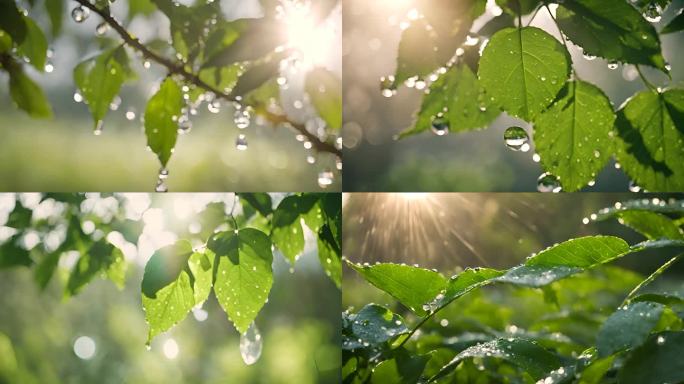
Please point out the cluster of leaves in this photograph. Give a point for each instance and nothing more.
(207, 58)
(232, 255)
(575, 323)
(528, 73)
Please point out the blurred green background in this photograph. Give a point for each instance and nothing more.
(299, 325)
(453, 231)
(472, 161)
(62, 154)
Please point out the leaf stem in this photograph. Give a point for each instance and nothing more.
(651, 277)
(179, 69)
(534, 15)
(565, 43)
(417, 326)
(644, 79)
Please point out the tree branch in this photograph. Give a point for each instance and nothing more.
(179, 69)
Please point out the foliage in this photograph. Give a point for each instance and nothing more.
(226, 253)
(528, 73)
(562, 316)
(208, 60)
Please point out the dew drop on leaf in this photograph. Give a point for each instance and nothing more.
(440, 125)
(49, 66)
(161, 186)
(98, 128)
(516, 138)
(633, 187)
(387, 86)
(78, 97)
(548, 183)
(80, 14)
(612, 65)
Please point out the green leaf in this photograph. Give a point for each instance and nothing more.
(258, 75)
(99, 257)
(403, 368)
(628, 327)
(12, 21)
(175, 280)
(653, 225)
(116, 272)
(521, 7)
(34, 47)
(287, 232)
(20, 217)
(463, 283)
(594, 373)
(55, 9)
(372, 325)
(658, 360)
(650, 130)
(523, 69)
(325, 90)
(140, 7)
(573, 137)
(222, 78)
(27, 95)
(100, 79)
(244, 275)
(460, 97)
(12, 255)
(566, 259)
(417, 54)
(526, 354)
(161, 115)
(412, 286)
(259, 201)
(675, 25)
(329, 256)
(613, 30)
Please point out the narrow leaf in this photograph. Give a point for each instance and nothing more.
(161, 115)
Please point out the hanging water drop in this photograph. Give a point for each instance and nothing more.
(49, 66)
(548, 183)
(325, 178)
(311, 159)
(130, 114)
(516, 138)
(440, 125)
(242, 118)
(338, 163)
(116, 102)
(98, 128)
(588, 57)
(102, 28)
(163, 173)
(214, 106)
(146, 64)
(653, 13)
(78, 97)
(250, 345)
(184, 124)
(612, 65)
(79, 14)
(161, 186)
(241, 142)
(633, 187)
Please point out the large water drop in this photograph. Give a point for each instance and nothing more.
(440, 125)
(325, 178)
(517, 139)
(102, 28)
(241, 142)
(251, 344)
(548, 183)
(79, 14)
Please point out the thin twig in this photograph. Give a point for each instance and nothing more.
(179, 69)
(644, 79)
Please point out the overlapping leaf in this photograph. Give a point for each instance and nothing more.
(161, 119)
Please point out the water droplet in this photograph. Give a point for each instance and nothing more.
(516, 138)
(184, 124)
(85, 347)
(471, 41)
(146, 64)
(612, 65)
(242, 118)
(49, 66)
(163, 173)
(548, 183)
(387, 87)
(98, 128)
(633, 187)
(597, 154)
(653, 13)
(161, 186)
(325, 178)
(660, 340)
(214, 106)
(130, 114)
(79, 14)
(440, 125)
(250, 345)
(78, 97)
(241, 142)
(116, 102)
(311, 159)
(668, 66)
(102, 28)
(588, 57)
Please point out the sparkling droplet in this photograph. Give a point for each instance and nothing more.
(516, 138)
(214, 106)
(78, 97)
(79, 14)
(49, 67)
(633, 187)
(387, 87)
(325, 178)
(161, 186)
(548, 183)
(102, 28)
(184, 124)
(311, 159)
(98, 128)
(660, 340)
(146, 64)
(536, 158)
(250, 345)
(130, 114)
(440, 125)
(653, 13)
(242, 118)
(241, 142)
(163, 173)
(612, 65)
(589, 57)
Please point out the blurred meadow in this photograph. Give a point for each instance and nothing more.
(471, 161)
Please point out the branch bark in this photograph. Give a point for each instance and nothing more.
(179, 69)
